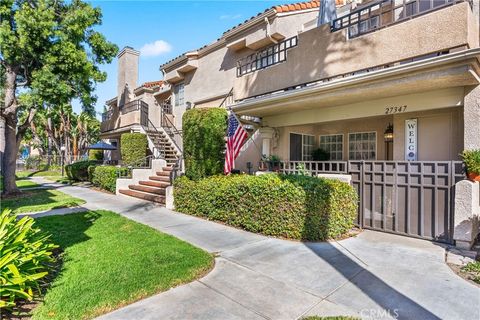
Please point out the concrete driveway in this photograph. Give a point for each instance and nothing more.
(372, 276)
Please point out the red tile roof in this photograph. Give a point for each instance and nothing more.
(312, 4)
(297, 6)
(152, 84)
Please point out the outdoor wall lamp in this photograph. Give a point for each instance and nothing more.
(388, 134)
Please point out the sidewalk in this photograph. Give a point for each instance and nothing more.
(374, 275)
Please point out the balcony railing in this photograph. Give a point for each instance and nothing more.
(135, 105)
(384, 13)
(266, 57)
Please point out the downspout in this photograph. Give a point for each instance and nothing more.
(269, 34)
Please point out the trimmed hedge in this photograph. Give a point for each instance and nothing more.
(105, 177)
(90, 171)
(78, 171)
(133, 147)
(204, 142)
(95, 155)
(290, 206)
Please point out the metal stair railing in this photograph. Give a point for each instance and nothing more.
(172, 131)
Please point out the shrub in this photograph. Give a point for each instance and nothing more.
(320, 155)
(78, 171)
(95, 155)
(204, 142)
(32, 162)
(105, 177)
(90, 171)
(471, 158)
(296, 207)
(133, 147)
(25, 259)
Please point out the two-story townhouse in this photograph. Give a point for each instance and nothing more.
(143, 108)
(389, 90)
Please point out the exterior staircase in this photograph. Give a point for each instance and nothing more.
(153, 189)
(162, 142)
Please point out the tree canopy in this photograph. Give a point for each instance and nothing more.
(51, 49)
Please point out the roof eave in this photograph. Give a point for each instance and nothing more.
(250, 103)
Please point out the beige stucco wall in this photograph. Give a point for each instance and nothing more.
(471, 118)
(440, 134)
(321, 54)
(217, 69)
(119, 120)
(376, 124)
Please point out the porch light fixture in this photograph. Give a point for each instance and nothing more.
(388, 134)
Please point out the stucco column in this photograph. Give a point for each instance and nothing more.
(266, 134)
(471, 116)
(467, 213)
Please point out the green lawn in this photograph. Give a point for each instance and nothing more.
(40, 200)
(21, 184)
(26, 174)
(110, 261)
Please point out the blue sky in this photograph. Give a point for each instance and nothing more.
(168, 28)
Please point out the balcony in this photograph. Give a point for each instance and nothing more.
(323, 53)
(384, 13)
(130, 114)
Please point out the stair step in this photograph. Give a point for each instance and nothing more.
(160, 191)
(156, 184)
(157, 178)
(163, 173)
(144, 196)
(167, 169)
(163, 177)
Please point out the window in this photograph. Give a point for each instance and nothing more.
(301, 147)
(266, 57)
(333, 144)
(362, 146)
(178, 92)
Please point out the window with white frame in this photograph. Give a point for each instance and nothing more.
(333, 144)
(301, 147)
(178, 92)
(362, 146)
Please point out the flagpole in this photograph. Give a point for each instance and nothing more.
(249, 136)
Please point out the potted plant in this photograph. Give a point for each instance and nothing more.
(263, 165)
(274, 163)
(320, 155)
(471, 159)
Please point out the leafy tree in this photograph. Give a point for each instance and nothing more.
(51, 50)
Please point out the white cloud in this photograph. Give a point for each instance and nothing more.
(230, 16)
(155, 48)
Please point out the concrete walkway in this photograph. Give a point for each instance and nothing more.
(372, 276)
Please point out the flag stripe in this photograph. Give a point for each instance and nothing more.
(236, 137)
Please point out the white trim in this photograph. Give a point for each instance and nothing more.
(302, 134)
(334, 134)
(361, 132)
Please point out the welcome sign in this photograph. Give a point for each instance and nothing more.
(411, 139)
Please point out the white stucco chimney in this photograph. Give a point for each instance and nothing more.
(127, 72)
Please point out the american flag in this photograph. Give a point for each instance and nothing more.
(236, 136)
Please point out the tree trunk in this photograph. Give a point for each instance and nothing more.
(11, 147)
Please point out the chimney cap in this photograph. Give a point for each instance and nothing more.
(128, 49)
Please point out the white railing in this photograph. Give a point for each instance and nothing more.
(314, 167)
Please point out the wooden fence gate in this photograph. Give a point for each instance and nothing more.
(408, 198)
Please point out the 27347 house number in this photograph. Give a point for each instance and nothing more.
(397, 109)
